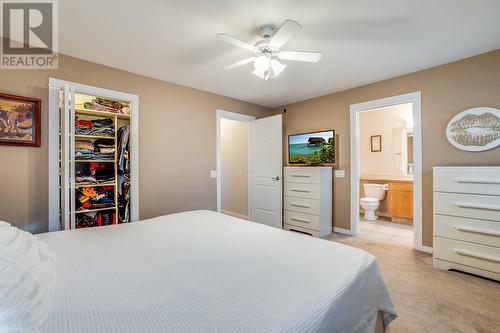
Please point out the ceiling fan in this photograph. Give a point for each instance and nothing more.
(267, 51)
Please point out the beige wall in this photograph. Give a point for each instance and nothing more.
(234, 166)
(446, 90)
(382, 122)
(176, 142)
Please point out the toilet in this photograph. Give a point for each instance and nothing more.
(374, 193)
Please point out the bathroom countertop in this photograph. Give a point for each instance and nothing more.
(388, 178)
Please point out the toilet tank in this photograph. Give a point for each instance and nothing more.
(376, 191)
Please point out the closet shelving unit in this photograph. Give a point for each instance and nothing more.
(83, 198)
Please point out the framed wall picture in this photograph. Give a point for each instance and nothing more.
(376, 143)
(19, 120)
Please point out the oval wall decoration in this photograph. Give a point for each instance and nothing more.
(476, 129)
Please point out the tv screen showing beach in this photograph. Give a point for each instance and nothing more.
(313, 148)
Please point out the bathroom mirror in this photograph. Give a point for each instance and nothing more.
(403, 151)
(409, 151)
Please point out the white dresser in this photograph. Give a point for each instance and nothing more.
(467, 219)
(308, 200)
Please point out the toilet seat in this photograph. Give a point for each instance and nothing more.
(369, 200)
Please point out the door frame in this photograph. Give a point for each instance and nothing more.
(222, 114)
(355, 109)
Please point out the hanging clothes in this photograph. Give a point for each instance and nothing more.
(124, 202)
(123, 162)
(123, 167)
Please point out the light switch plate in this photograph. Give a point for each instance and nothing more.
(213, 173)
(339, 173)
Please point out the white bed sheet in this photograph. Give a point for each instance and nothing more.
(202, 271)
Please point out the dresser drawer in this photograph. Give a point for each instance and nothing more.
(302, 190)
(484, 207)
(302, 205)
(302, 175)
(302, 220)
(474, 255)
(302, 230)
(469, 230)
(475, 180)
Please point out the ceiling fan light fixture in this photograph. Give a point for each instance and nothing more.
(262, 74)
(267, 51)
(267, 68)
(277, 67)
(261, 63)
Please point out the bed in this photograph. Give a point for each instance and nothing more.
(202, 271)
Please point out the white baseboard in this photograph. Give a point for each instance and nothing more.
(424, 248)
(241, 216)
(342, 231)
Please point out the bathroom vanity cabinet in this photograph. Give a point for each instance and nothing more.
(401, 200)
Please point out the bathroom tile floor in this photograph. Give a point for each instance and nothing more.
(427, 299)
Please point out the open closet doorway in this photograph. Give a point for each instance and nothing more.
(249, 172)
(386, 179)
(233, 158)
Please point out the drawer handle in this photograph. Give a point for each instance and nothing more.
(299, 205)
(477, 181)
(476, 255)
(301, 176)
(301, 191)
(477, 206)
(477, 231)
(299, 220)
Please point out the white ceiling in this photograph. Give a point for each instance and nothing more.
(362, 41)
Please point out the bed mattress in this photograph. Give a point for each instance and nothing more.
(202, 271)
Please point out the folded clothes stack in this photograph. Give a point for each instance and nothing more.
(85, 180)
(103, 172)
(84, 150)
(95, 219)
(95, 197)
(98, 127)
(102, 149)
(94, 173)
(102, 104)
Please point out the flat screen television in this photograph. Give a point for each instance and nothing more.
(312, 148)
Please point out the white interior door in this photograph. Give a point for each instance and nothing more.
(266, 170)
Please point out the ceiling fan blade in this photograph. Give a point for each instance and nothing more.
(300, 56)
(235, 41)
(240, 63)
(285, 33)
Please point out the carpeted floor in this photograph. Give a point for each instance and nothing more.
(427, 300)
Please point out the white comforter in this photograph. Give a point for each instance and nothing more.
(202, 271)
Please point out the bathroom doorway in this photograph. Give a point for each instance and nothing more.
(386, 178)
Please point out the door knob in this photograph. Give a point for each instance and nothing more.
(276, 178)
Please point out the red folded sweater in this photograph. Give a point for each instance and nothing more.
(84, 123)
